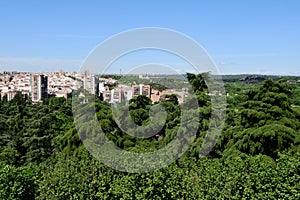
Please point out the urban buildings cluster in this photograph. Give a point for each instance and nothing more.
(12, 83)
(37, 86)
(123, 93)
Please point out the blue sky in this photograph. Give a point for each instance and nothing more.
(240, 36)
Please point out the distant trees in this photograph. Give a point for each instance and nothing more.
(198, 81)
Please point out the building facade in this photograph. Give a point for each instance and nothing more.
(91, 84)
(39, 87)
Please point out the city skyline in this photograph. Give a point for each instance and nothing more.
(241, 37)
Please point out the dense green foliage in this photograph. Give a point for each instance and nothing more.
(256, 157)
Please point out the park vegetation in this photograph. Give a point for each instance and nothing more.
(256, 156)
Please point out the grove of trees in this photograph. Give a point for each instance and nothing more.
(256, 156)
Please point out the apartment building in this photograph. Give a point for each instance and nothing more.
(91, 84)
(39, 87)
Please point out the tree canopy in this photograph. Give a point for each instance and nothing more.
(256, 157)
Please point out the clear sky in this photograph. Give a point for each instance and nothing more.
(257, 36)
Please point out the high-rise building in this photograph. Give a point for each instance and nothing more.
(39, 87)
(91, 84)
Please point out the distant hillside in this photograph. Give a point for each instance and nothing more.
(255, 78)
